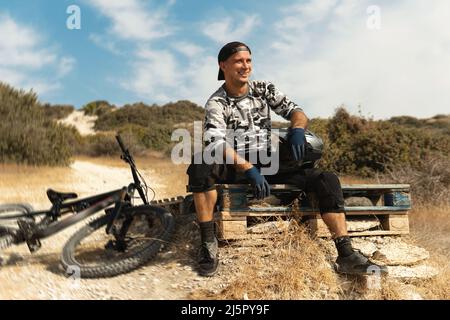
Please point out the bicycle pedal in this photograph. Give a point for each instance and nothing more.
(34, 245)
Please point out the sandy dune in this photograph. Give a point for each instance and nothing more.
(83, 123)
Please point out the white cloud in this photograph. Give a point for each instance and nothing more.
(227, 29)
(189, 49)
(159, 77)
(156, 75)
(325, 55)
(105, 42)
(24, 56)
(66, 64)
(152, 74)
(19, 46)
(131, 20)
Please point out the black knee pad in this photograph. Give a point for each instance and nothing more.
(329, 192)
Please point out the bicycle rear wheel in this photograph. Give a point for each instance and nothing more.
(9, 214)
(92, 253)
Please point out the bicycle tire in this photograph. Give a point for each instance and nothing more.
(132, 260)
(21, 210)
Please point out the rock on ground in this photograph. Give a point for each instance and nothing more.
(400, 253)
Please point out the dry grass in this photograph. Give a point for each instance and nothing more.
(20, 183)
(430, 183)
(293, 267)
(438, 287)
(174, 176)
(430, 226)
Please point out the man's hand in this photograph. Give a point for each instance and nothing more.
(297, 141)
(259, 183)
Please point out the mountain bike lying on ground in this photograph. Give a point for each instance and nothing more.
(126, 237)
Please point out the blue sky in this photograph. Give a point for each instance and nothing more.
(387, 58)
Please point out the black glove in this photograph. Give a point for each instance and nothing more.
(259, 183)
(297, 141)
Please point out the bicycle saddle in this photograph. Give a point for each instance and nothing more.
(55, 196)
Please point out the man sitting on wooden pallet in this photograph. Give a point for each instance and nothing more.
(244, 106)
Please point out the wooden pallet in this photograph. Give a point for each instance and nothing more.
(389, 206)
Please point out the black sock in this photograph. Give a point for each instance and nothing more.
(344, 246)
(207, 231)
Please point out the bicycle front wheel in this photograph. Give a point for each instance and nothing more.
(94, 254)
(9, 214)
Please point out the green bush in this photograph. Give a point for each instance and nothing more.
(440, 123)
(26, 135)
(97, 108)
(105, 144)
(147, 116)
(359, 146)
(56, 111)
(100, 144)
(151, 126)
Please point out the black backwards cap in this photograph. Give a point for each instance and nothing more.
(227, 51)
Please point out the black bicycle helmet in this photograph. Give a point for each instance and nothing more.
(313, 151)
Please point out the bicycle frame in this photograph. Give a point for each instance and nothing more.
(32, 232)
(91, 204)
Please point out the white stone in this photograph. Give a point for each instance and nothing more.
(410, 273)
(358, 202)
(400, 253)
(367, 247)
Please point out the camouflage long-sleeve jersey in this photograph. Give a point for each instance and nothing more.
(247, 118)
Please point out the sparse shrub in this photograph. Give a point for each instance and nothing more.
(97, 108)
(430, 180)
(57, 111)
(105, 144)
(27, 135)
(100, 144)
(148, 116)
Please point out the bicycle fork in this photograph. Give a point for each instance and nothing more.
(116, 211)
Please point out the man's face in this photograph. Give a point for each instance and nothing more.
(238, 67)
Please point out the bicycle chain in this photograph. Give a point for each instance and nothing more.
(174, 205)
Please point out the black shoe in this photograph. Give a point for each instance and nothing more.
(208, 259)
(358, 264)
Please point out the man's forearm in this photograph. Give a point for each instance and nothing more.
(239, 163)
(299, 120)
